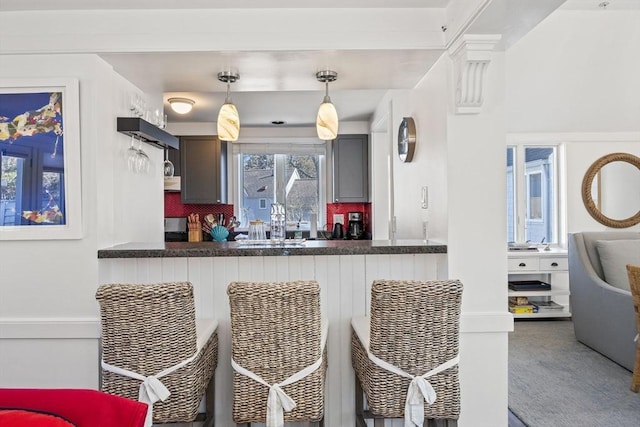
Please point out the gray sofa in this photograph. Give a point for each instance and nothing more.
(603, 314)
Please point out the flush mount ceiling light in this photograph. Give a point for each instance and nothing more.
(181, 105)
(327, 120)
(228, 117)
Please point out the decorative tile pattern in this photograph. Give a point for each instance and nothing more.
(345, 208)
(173, 207)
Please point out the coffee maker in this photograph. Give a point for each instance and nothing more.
(356, 226)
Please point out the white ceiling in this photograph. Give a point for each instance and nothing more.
(276, 85)
(281, 84)
(214, 4)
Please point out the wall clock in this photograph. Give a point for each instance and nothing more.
(406, 139)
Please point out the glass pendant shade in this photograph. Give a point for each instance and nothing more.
(228, 118)
(228, 122)
(327, 121)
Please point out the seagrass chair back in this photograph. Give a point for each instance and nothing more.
(149, 328)
(634, 283)
(414, 326)
(276, 331)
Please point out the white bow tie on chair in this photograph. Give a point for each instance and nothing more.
(151, 388)
(278, 402)
(420, 390)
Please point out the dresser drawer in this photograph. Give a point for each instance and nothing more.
(560, 264)
(523, 264)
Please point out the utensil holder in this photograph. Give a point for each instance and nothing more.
(195, 236)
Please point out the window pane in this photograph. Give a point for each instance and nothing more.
(258, 187)
(511, 195)
(541, 194)
(534, 196)
(301, 189)
(291, 179)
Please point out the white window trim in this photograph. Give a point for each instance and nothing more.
(519, 143)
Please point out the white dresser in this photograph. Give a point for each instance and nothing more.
(550, 267)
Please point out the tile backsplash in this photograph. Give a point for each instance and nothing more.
(344, 209)
(173, 207)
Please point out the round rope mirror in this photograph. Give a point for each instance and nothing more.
(587, 194)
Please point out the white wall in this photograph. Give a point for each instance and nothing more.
(576, 72)
(574, 79)
(52, 282)
(429, 101)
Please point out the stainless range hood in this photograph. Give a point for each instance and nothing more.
(145, 131)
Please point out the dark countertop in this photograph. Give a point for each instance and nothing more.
(234, 249)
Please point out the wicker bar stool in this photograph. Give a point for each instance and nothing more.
(405, 355)
(154, 350)
(634, 283)
(278, 352)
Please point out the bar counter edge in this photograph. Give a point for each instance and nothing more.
(235, 249)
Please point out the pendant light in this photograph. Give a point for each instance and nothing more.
(327, 120)
(228, 117)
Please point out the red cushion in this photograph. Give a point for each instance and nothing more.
(84, 408)
(21, 418)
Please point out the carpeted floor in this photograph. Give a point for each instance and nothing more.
(555, 381)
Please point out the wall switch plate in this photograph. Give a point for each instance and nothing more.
(424, 198)
(338, 218)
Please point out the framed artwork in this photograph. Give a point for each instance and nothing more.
(40, 191)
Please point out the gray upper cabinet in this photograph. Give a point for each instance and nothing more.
(351, 168)
(203, 168)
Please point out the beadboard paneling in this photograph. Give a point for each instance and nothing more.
(345, 282)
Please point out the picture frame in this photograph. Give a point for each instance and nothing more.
(40, 193)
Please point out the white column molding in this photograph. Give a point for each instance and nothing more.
(471, 56)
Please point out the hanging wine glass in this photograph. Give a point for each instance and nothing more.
(132, 155)
(142, 160)
(169, 169)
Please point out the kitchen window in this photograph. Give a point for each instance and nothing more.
(291, 174)
(533, 193)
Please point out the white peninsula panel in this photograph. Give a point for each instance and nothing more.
(345, 282)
